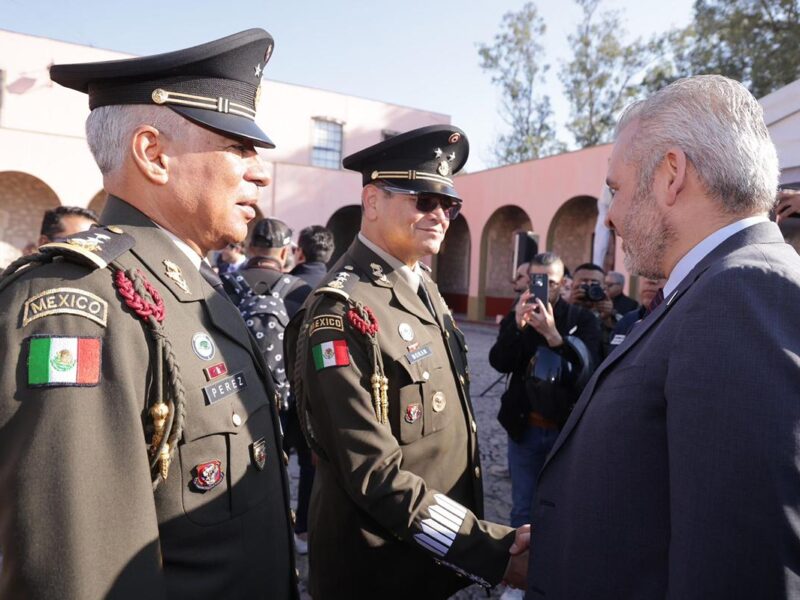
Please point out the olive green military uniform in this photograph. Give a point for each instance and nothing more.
(396, 506)
(78, 514)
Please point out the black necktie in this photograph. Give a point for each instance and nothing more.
(212, 278)
(657, 299)
(423, 295)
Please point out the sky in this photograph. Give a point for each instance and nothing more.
(417, 53)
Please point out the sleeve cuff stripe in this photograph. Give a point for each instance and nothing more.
(451, 505)
(445, 518)
(430, 544)
(446, 531)
(433, 534)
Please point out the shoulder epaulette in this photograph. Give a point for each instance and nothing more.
(340, 285)
(95, 248)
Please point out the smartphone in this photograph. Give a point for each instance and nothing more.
(539, 287)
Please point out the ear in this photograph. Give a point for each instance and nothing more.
(370, 199)
(285, 253)
(148, 153)
(675, 163)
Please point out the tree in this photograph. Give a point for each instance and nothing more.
(756, 42)
(515, 61)
(603, 75)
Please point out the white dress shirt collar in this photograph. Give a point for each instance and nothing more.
(703, 249)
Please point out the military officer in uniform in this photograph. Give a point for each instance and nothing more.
(139, 435)
(382, 388)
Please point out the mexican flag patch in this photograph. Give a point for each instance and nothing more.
(63, 361)
(331, 354)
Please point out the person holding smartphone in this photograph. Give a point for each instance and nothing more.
(541, 319)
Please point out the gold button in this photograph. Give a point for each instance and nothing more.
(474, 426)
(478, 472)
(447, 334)
(466, 348)
(438, 402)
(237, 420)
(461, 379)
(285, 458)
(114, 229)
(426, 375)
(292, 517)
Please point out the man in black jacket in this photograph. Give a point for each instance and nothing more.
(314, 248)
(530, 326)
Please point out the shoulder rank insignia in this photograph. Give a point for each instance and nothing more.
(339, 286)
(95, 248)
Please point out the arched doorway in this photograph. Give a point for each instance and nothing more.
(344, 224)
(497, 255)
(23, 201)
(452, 265)
(571, 232)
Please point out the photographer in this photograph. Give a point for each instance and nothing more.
(533, 410)
(589, 291)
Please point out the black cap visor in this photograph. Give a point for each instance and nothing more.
(418, 186)
(232, 126)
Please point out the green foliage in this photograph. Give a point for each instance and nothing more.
(756, 42)
(604, 74)
(514, 60)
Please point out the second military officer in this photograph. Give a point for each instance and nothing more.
(382, 388)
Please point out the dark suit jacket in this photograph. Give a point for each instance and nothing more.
(676, 475)
(311, 272)
(624, 304)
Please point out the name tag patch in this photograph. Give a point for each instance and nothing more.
(618, 339)
(65, 301)
(333, 322)
(218, 390)
(419, 354)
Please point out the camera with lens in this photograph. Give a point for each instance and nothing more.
(594, 292)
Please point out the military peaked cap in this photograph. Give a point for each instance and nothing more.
(216, 85)
(421, 160)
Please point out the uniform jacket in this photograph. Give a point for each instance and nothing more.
(78, 515)
(676, 475)
(514, 348)
(396, 507)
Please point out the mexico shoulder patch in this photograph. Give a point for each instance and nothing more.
(63, 361)
(331, 354)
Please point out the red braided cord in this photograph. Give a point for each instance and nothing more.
(137, 304)
(365, 326)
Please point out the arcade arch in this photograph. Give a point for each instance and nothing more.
(451, 265)
(571, 232)
(23, 201)
(497, 241)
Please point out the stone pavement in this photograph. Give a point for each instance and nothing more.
(492, 440)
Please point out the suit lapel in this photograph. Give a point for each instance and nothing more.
(174, 270)
(759, 233)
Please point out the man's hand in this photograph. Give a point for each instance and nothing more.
(516, 574)
(788, 204)
(605, 308)
(523, 309)
(542, 320)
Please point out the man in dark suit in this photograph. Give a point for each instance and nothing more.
(615, 284)
(314, 249)
(677, 473)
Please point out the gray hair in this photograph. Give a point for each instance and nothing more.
(720, 126)
(617, 277)
(108, 130)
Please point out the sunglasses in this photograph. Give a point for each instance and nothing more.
(427, 202)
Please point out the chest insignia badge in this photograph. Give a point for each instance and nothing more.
(413, 413)
(438, 402)
(406, 332)
(203, 345)
(258, 452)
(208, 475)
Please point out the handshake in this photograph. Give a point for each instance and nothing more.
(517, 570)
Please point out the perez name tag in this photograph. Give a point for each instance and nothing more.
(216, 391)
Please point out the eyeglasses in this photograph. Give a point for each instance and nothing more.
(427, 202)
